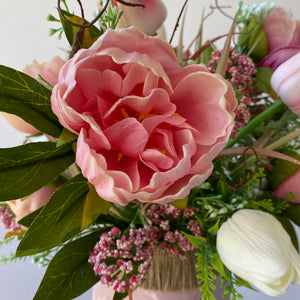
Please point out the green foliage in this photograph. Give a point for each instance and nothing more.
(263, 80)
(205, 270)
(59, 220)
(119, 296)
(293, 213)
(70, 274)
(252, 38)
(22, 95)
(287, 225)
(283, 169)
(25, 169)
(91, 33)
(111, 17)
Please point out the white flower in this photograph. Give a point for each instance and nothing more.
(254, 246)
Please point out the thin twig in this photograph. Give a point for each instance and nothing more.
(220, 8)
(132, 4)
(245, 179)
(85, 24)
(177, 22)
(130, 294)
(81, 9)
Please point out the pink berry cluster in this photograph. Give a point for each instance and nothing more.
(242, 116)
(171, 221)
(123, 259)
(240, 70)
(8, 219)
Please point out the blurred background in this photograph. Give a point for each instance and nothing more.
(24, 37)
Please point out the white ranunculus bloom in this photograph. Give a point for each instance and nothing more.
(254, 246)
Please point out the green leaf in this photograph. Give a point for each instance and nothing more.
(66, 137)
(283, 169)
(263, 80)
(90, 34)
(69, 274)
(287, 225)
(293, 213)
(180, 203)
(119, 296)
(218, 265)
(94, 206)
(27, 220)
(215, 228)
(24, 96)
(197, 241)
(58, 221)
(25, 169)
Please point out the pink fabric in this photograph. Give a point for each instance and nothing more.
(285, 82)
(144, 123)
(101, 292)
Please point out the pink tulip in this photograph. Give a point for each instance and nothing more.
(285, 82)
(23, 207)
(283, 35)
(144, 122)
(279, 27)
(291, 184)
(147, 19)
(49, 71)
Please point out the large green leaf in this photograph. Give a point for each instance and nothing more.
(60, 219)
(91, 33)
(69, 273)
(25, 169)
(24, 96)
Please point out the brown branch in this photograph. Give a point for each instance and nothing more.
(245, 179)
(85, 24)
(177, 22)
(132, 4)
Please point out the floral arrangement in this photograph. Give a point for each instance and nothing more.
(137, 146)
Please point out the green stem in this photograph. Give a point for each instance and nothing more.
(253, 124)
(272, 146)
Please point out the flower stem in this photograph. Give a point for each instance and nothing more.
(130, 294)
(254, 123)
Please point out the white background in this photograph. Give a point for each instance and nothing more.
(24, 37)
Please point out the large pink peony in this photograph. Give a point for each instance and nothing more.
(148, 128)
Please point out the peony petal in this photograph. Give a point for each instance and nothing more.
(128, 136)
(156, 160)
(205, 102)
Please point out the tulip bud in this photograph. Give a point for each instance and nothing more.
(254, 246)
(291, 184)
(147, 19)
(285, 82)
